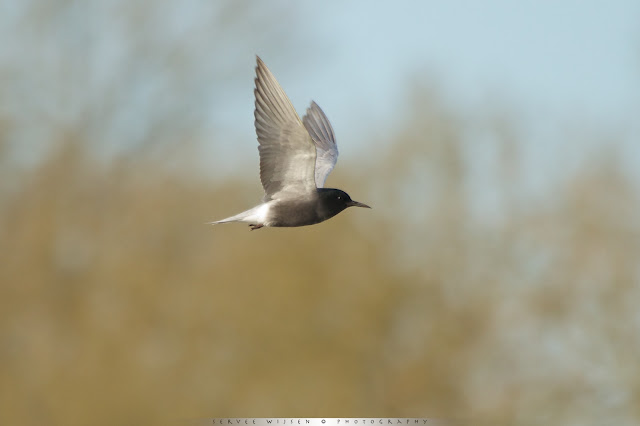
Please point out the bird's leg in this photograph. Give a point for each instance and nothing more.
(254, 227)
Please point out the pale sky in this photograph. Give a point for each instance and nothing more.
(554, 66)
(559, 68)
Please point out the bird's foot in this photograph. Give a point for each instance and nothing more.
(254, 227)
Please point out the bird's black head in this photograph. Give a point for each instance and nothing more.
(333, 201)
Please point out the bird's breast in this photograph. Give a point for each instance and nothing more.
(290, 213)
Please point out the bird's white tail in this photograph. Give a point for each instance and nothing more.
(237, 218)
(256, 216)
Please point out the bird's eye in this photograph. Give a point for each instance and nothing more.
(339, 197)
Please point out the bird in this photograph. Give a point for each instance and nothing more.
(296, 156)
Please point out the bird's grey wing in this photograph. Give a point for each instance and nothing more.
(287, 153)
(318, 126)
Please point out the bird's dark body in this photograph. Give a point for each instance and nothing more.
(315, 208)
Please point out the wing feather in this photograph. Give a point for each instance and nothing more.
(287, 152)
(318, 126)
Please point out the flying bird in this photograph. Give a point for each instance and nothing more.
(296, 156)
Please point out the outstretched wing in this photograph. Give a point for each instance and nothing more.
(318, 126)
(287, 153)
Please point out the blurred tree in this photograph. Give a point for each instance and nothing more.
(120, 306)
(129, 75)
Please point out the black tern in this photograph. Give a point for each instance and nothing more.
(295, 159)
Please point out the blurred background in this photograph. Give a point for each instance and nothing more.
(496, 278)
